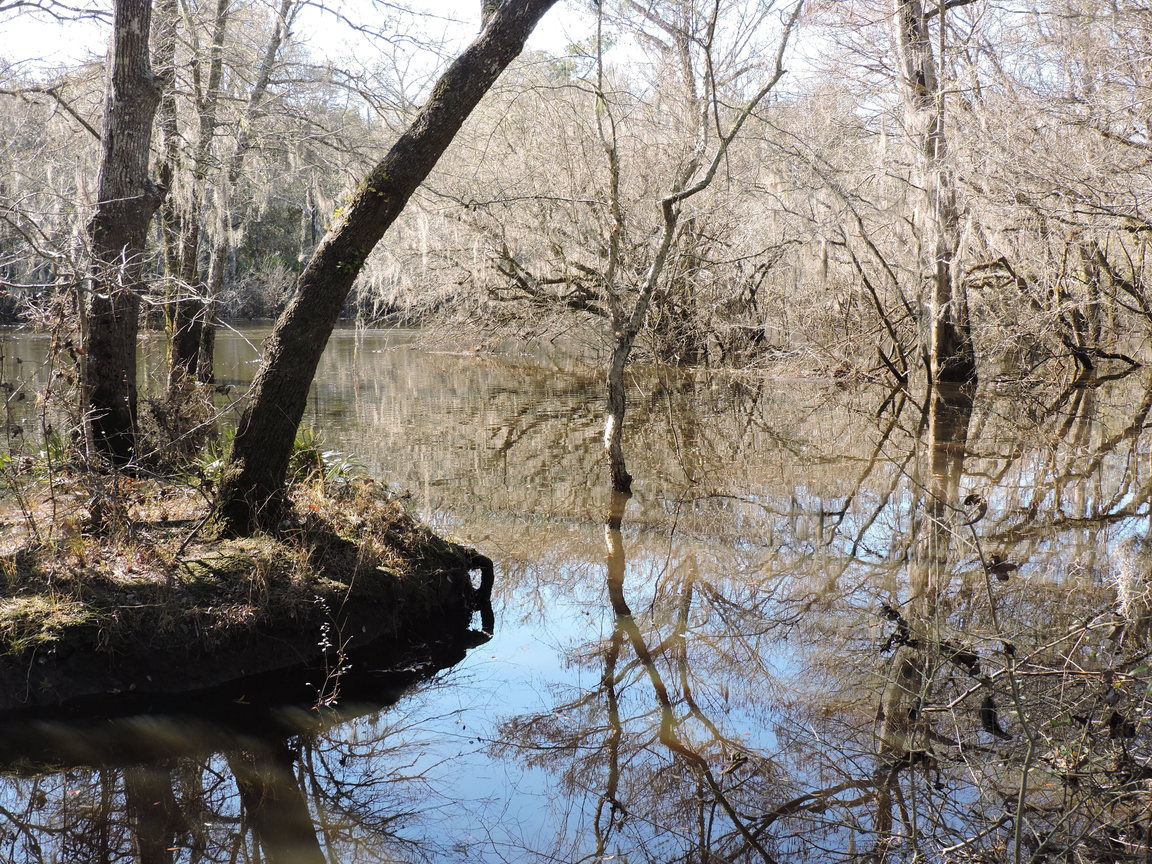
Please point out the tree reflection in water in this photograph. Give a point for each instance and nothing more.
(241, 780)
(997, 715)
(836, 625)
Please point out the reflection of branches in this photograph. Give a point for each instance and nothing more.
(626, 624)
(947, 771)
(153, 811)
(1125, 502)
(616, 812)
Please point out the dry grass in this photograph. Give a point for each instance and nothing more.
(123, 578)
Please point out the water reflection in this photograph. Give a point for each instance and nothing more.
(236, 776)
(684, 729)
(981, 722)
(832, 624)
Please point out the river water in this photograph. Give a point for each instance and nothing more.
(836, 623)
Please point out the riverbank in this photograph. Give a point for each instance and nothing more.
(112, 591)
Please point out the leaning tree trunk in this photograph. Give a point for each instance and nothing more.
(950, 354)
(250, 495)
(118, 232)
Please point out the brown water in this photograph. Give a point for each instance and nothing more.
(835, 625)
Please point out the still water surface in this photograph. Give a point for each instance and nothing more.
(836, 624)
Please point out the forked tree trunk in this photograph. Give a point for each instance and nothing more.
(229, 217)
(694, 177)
(118, 232)
(250, 495)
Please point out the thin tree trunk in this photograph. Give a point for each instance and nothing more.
(251, 492)
(696, 176)
(118, 233)
(217, 265)
(228, 221)
(187, 317)
(165, 61)
(614, 420)
(627, 327)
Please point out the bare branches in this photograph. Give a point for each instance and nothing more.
(945, 7)
(54, 92)
(54, 9)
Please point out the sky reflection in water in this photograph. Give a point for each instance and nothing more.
(734, 688)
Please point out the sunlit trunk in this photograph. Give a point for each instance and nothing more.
(168, 13)
(118, 233)
(949, 350)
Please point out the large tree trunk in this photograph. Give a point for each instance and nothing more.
(251, 492)
(118, 231)
(949, 349)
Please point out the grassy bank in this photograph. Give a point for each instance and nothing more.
(112, 589)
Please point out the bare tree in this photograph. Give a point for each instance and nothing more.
(949, 348)
(183, 249)
(227, 221)
(687, 30)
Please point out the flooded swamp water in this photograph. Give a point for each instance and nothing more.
(834, 623)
